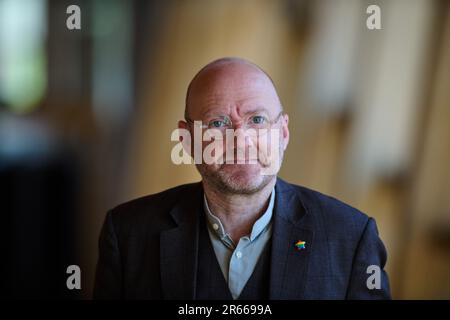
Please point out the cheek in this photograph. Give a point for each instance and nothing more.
(269, 141)
(213, 150)
(262, 143)
(282, 141)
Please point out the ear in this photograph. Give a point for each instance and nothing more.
(183, 125)
(285, 130)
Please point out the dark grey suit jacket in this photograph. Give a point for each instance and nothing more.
(148, 247)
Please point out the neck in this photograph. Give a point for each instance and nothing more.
(238, 212)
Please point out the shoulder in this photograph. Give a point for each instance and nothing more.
(150, 210)
(332, 214)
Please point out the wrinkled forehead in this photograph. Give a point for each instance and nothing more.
(240, 88)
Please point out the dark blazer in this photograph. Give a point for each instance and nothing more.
(148, 247)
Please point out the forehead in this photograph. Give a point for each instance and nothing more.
(241, 88)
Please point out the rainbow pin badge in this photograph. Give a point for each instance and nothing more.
(300, 245)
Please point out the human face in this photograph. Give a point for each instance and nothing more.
(246, 98)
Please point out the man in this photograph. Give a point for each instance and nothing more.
(240, 233)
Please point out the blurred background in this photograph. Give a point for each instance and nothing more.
(86, 117)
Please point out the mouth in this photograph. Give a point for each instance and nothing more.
(247, 161)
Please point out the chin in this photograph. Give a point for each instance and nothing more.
(245, 179)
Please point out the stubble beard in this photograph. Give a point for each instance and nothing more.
(228, 179)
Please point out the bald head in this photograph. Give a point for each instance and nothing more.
(226, 82)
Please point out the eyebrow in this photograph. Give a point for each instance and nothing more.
(256, 110)
(251, 111)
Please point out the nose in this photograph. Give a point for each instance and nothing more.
(244, 135)
(243, 146)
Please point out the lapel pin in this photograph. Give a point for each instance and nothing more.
(300, 245)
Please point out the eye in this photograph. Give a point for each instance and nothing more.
(219, 123)
(258, 120)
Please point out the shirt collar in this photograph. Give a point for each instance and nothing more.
(216, 225)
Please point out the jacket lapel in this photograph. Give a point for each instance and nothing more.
(179, 248)
(289, 266)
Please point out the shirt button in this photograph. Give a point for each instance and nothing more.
(215, 226)
(239, 254)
